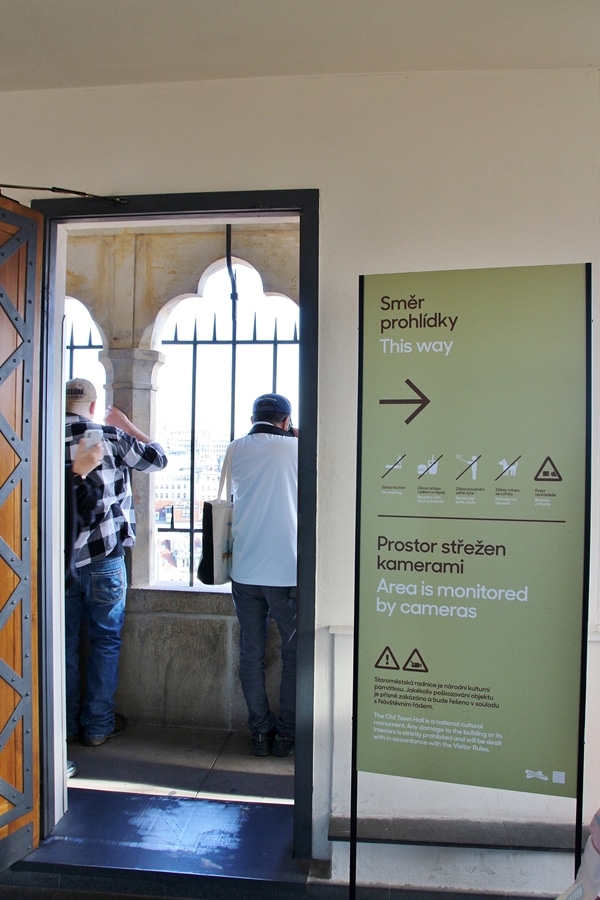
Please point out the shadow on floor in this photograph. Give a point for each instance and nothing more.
(182, 762)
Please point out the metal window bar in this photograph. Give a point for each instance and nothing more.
(71, 347)
(195, 343)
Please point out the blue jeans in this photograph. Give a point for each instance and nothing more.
(253, 605)
(96, 600)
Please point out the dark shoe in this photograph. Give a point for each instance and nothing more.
(262, 741)
(120, 726)
(71, 768)
(283, 746)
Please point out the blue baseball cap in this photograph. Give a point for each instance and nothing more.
(272, 403)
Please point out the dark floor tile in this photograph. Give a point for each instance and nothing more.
(185, 760)
(27, 893)
(169, 758)
(238, 772)
(243, 784)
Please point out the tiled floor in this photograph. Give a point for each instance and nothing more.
(183, 762)
(152, 810)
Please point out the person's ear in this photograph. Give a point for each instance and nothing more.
(92, 408)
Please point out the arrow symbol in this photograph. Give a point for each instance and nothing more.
(422, 401)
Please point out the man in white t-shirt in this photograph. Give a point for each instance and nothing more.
(264, 481)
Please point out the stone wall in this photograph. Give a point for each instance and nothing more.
(179, 660)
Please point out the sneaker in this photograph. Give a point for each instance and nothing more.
(262, 741)
(283, 745)
(71, 768)
(119, 728)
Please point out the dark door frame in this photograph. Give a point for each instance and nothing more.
(305, 204)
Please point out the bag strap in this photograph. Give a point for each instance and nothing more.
(225, 480)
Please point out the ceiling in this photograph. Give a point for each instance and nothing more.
(86, 43)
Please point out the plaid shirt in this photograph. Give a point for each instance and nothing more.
(114, 520)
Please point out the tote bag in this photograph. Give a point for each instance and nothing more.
(217, 542)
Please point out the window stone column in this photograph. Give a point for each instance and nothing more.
(131, 386)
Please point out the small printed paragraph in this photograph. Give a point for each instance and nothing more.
(425, 694)
(434, 733)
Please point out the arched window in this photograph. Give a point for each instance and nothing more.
(82, 343)
(223, 347)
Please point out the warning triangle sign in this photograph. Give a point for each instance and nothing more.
(415, 663)
(387, 660)
(548, 472)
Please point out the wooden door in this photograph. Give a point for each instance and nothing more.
(20, 269)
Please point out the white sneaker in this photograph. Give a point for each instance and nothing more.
(587, 884)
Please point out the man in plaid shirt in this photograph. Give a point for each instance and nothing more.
(97, 595)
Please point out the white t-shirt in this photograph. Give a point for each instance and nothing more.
(264, 481)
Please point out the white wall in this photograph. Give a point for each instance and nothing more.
(416, 172)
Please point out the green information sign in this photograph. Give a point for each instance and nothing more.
(472, 526)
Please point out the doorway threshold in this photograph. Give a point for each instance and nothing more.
(149, 845)
(170, 812)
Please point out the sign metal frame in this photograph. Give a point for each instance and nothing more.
(410, 399)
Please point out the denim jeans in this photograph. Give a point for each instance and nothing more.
(96, 600)
(253, 605)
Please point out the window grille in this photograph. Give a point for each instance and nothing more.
(73, 349)
(83, 342)
(238, 353)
